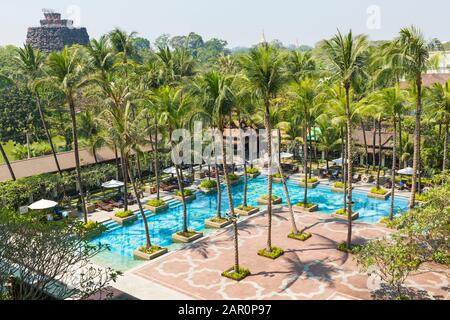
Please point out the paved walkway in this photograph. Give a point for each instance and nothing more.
(309, 270)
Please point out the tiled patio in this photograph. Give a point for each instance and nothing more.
(309, 270)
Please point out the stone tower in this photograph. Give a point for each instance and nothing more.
(54, 33)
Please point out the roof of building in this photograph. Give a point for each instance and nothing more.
(429, 79)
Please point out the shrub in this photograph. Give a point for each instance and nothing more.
(277, 176)
(342, 212)
(156, 203)
(422, 197)
(312, 180)
(275, 253)
(208, 184)
(243, 273)
(266, 197)
(246, 208)
(124, 214)
(353, 249)
(379, 191)
(302, 204)
(252, 171)
(300, 236)
(234, 177)
(187, 193)
(339, 185)
(150, 250)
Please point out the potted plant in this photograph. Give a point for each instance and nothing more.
(264, 200)
(186, 237)
(275, 254)
(253, 173)
(246, 210)
(217, 223)
(189, 195)
(379, 193)
(208, 186)
(343, 214)
(277, 178)
(338, 187)
(156, 205)
(237, 276)
(125, 217)
(92, 229)
(309, 183)
(310, 207)
(235, 179)
(150, 253)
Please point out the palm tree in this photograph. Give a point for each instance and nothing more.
(345, 55)
(440, 103)
(65, 72)
(125, 130)
(391, 101)
(30, 63)
(307, 96)
(123, 45)
(175, 112)
(410, 53)
(329, 137)
(91, 131)
(263, 68)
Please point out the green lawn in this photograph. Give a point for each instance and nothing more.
(9, 146)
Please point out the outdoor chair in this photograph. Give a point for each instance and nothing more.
(334, 176)
(104, 206)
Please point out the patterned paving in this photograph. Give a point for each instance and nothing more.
(309, 270)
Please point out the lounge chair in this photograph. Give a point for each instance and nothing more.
(356, 177)
(116, 204)
(104, 206)
(334, 176)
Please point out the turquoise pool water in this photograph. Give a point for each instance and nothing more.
(124, 240)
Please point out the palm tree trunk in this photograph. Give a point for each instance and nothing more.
(349, 165)
(344, 164)
(270, 177)
(183, 200)
(94, 153)
(305, 146)
(366, 147)
(77, 154)
(244, 202)
(219, 193)
(400, 137)
(445, 160)
(231, 205)
(141, 209)
(47, 132)
(374, 143)
(288, 200)
(116, 157)
(379, 156)
(125, 179)
(417, 129)
(394, 155)
(8, 164)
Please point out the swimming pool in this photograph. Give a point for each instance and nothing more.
(124, 240)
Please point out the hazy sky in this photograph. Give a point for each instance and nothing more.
(240, 22)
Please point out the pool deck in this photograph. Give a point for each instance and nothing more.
(308, 270)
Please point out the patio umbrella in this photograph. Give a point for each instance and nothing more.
(171, 170)
(43, 205)
(113, 184)
(338, 162)
(286, 155)
(406, 172)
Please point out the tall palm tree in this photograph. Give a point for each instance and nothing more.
(175, 113)
(410, 53)
(263, 68)
(307, 96)
(124, 128)
(65, 72)
(391, 101)
(345, 55)
(440, 102)
(30, 62)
